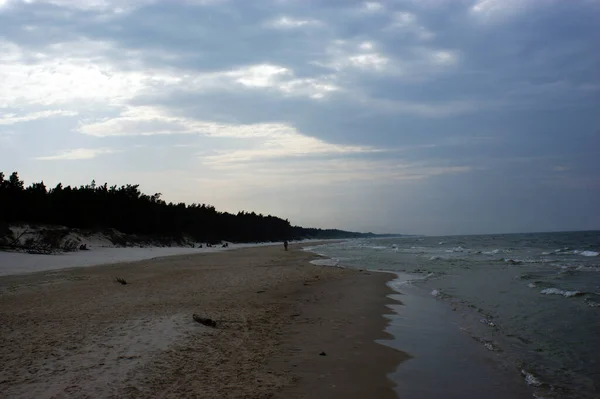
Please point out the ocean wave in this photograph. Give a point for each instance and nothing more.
(497, 251)
(565, 250)
(457, 249)
(513, 261)
(517, 261)
(588, 268)
(494, 252)
(557, 291)
(587, 253)
(570, 251)
(374, 246)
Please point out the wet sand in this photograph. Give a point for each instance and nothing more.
(77, 333)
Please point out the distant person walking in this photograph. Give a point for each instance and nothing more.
(285, 244)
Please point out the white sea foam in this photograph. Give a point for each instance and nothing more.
(569, 251)
(436, 293)
(592, 304)
(457, 249)
(530, 379)
(494, 252)
(488, 322)
(435, 258)
(562, 250)
(556, 291)
(325, 262)
(402, 279)
(531, 285)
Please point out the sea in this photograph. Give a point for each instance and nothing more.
(530, 301)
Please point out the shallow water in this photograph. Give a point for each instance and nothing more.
(533, 300)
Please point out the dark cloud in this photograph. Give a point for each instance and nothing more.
(508, 94)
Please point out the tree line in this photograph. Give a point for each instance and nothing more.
(125, 208)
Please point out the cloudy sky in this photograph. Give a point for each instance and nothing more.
(407, 116)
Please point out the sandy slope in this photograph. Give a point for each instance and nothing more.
(20, 262)
(77, 334)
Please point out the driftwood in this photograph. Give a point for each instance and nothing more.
(120, 280)
(204, 320)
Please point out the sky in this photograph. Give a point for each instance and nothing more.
(401, 116)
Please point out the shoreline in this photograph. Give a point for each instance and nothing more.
(75, 332)
(436, 346)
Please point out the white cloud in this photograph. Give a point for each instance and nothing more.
(12, 118)
(292, 23)
(66, 73)
(407, 22)
(263, 140)
(82, 72)
(444, 57)
(372, 6)
(348, 55)
(366, 46)
(428, 61)
(367, 61)
(273, 77)
(416, 63)
(150, 121)
(282, 146)
(76, 154)
(261, 76)
(492, 9)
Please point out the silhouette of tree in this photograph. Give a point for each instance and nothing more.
(128, 210)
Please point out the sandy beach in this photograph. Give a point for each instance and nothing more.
(285, 329)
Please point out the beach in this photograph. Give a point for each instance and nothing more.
(284, 329)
